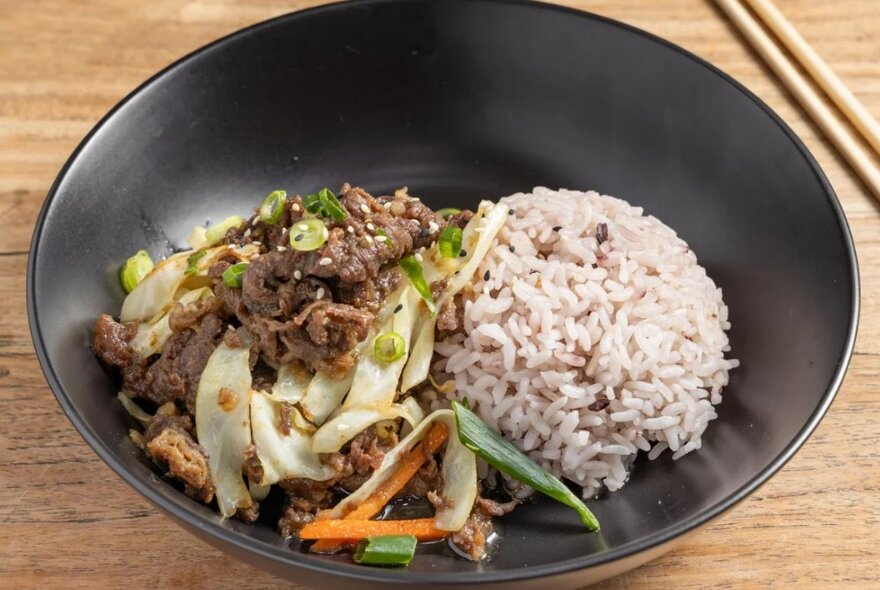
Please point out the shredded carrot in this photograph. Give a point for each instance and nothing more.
(347, 530)
(390, 487)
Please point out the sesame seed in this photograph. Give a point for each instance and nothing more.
(387, 204)
(381, 239)
(511, 248)
(326, 233)
(325, 261)
(302, 227)
(298, 237)
(510, 211)
(371, 227)
(486, 276)
(418, 256)
(463, 253)
(364, 209)
(280, 248)
(295, 207)
(557, 228)
(297, 275)
(247, 232)
(369, 240)
(349, 229)
(433, 227)
(320, 293)
(256, 243)
(398, 308)
(255, 218)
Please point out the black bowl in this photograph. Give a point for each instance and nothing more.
(461, 100)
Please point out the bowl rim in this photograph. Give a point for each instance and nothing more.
(186, 513)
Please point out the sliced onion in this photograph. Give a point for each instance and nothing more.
(224, 430)
(156, 290)
(151, 337)
(323, 396)
(337, 431)
(459, 474)
(134, 410)
(291, 384)
(283, 456)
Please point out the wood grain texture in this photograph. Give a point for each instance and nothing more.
(67, 521)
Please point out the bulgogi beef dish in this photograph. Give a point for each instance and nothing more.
(293, 348)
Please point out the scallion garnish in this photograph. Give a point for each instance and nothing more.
(413, 270)
(233, 275)
(450, 242)
(387, 241)
(325, 203)
(134, 270)
(389, 347)
(331, 205)
(273, 206)
(501, 454)
(448, 212)
(217, 232)
(387, 550)
(192, 262)
(308, 234)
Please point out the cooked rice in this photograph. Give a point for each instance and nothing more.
(556, 322)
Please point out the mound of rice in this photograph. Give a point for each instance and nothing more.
(583, 349)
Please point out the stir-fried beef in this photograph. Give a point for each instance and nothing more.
(473, 535)
(176, 375)
(304, 498)
(317, 305)
(170, 443)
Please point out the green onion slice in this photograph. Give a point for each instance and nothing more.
(487, 444)
(312, 203)
(450, 242)
(448, 212)
(324, 203)
(387, 241)
(273, 206)
(233, 275)
(389, 347)
(331, 205)
(134, 270)
(413, 270)
(192, 263)
(308, 234)
(217, 232)
(387, 550)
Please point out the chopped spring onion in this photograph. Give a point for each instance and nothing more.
(450, 242)
(308, 234)
(389, 347)
(387, 241)
(331, 205)
(134, 270)
(192, 262)
(273, 206)
(448, 212)
(413, 270)
(233, 275)
(216, 232)
(487, 444)
(393, 550)
(325, 203)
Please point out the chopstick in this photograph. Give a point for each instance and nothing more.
(833, 86)
(849, 148)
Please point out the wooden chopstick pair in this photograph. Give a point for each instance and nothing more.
(858, 157)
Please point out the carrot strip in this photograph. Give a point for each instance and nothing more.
(390, 487)
(347, 530)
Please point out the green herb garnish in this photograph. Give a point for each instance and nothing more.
(273, 206)
(413, 270)
(387, 550)
(389, 347)
(501, 454)
(134, 270)
(233, 275)
(450, 242)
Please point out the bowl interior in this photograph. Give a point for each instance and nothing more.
(462, 101)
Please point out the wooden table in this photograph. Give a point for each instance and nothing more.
(66, 521)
